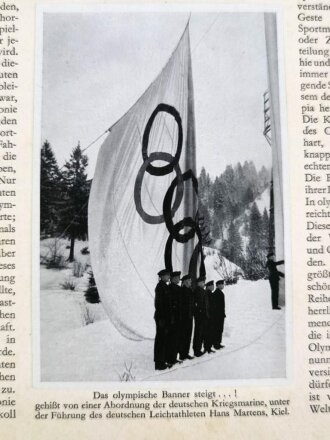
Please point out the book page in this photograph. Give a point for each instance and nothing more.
(164, 233)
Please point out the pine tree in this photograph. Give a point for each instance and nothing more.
(50, 190)
(205, 192)
(74, 211)
(219, 210)
(248, 196)
(264, 178)
(254, 267)
(256, 252)
(231, 206)
(265, 230)
(216, 227)
(251, 176)
(234, 245)
(239, 187)
(256, 227)
(225, 248)
(204, 223)
(225, 199)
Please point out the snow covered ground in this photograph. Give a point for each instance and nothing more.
(263, 201)
(218, 267)
(79, 343)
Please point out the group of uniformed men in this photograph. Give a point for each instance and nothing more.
(176, 307)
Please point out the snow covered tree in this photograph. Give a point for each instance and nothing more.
(204, 225)
(229, 196)
(248, 196)
(264, 177)
(233, 190)
(256, 250)
(225, 248)
(216, 227)
(254, 266)
(219, 209)
(50, 190)
(251, 176)
(73, 213)
(240, 185)
(265, 230)
(256, 227)
(234, 245)
(205, 192)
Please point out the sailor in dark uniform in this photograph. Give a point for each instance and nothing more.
(218, 314)
(274, 278)
(208, 339)
(161, 318)
(186, 317)
(174, 318)
(200, 316)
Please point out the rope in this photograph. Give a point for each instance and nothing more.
(89, 145)
(207, 31)
(99, 137)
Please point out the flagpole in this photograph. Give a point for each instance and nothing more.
(190, 208)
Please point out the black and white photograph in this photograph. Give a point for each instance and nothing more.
(162, 196)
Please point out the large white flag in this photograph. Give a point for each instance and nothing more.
(143, 202)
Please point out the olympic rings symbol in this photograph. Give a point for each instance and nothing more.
(177, 185)
(187, 221)
(156, 219)
(167, 169)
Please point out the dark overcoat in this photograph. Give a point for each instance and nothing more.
(201, 315)
(173, 346)
(162, 308)
(186, 320)
(218, 316)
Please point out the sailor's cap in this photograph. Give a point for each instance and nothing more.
(220, 282)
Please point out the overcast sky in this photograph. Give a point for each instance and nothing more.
(96, 65)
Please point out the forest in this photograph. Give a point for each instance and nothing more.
(231, 220)
(228, 214)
